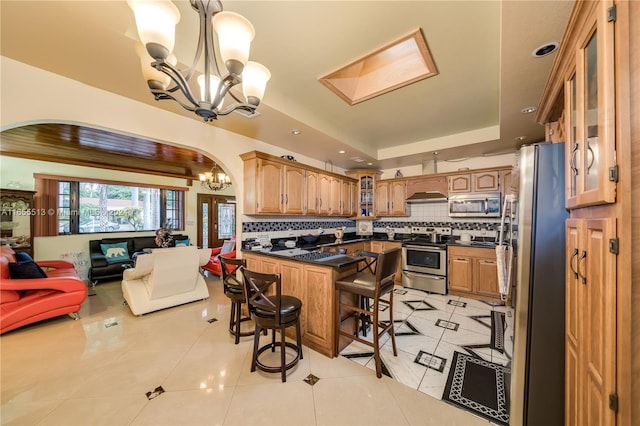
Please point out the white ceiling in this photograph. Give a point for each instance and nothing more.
(482, 50)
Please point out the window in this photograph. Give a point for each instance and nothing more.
(88, 207)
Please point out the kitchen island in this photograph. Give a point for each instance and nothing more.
(313, 282)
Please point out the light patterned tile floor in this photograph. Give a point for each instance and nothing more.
(428, 335)
(97, 371)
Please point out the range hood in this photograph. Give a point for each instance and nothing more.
(426, 197)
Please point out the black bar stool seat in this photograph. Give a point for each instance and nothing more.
(272, 312)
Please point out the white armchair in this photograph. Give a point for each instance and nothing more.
(165, 278)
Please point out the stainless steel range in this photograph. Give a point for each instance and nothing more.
(424, 259)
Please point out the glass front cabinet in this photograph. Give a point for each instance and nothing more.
(591, 173)
(365, 192)
(16, 219)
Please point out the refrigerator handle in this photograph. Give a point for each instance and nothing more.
(573, 256)
(582, 257)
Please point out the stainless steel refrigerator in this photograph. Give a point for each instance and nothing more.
(537, 373)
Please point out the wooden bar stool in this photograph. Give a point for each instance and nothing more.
(234, 290)
(272, 312)
(374, 286)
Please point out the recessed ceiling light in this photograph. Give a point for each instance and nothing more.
(521, 138)
(357, 159)
(545, 49)
(342, 151)
(295, 132)
(528, 110)
(370, 164)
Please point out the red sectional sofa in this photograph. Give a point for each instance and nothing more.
(25, 301)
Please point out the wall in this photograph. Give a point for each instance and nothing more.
(447, 166)
(62, 100)
(20, 171)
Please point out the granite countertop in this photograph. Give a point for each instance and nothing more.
(317, 258)
(488, 242)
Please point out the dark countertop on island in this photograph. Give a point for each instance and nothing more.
(333, 260)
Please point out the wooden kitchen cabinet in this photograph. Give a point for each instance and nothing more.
(291, 274)
(473, 273)
(293, 190)
(273, 185)
(324, 194)
(593, 93)
(314, 286)
(347, 198)
(390, 198)
(280, 188)
(460, 272)
(312, 198)
(268, 185)
(365, 192)
(319, 329)
(335, 196)
(482, 181)
(459, 183)
(589, 97)
(590, 321)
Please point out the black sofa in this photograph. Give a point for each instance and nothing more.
(103, 270)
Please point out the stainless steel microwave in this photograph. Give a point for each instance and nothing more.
(475, 205)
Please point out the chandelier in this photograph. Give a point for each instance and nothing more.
(156, 21)
(215, 180)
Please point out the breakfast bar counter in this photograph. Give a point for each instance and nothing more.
(313, 282)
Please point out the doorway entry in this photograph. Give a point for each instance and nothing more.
(216, 219)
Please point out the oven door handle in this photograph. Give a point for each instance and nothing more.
(417, 274)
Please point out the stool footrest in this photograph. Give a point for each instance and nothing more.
(274, 369)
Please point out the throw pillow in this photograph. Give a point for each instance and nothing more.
(184, 242)
(117, 252)
(25, 270)
(228, 246)
(23, 257)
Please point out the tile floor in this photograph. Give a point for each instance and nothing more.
(99, 370)
(430, 327)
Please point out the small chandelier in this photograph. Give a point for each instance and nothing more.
(156, 21)
(215, 180)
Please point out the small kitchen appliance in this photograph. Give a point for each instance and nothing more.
(475, 205)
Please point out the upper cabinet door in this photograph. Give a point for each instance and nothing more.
(398, 197)
(269, 181)
(294, 190)
(324, 194)
(590, 100)
(382, 202)
(312, 203)
(460, 183)
(486, 181)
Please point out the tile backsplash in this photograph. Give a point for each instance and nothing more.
(422, 214)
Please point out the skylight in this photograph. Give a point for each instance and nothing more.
(394, 65)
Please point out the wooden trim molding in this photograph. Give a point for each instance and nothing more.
(109, 182)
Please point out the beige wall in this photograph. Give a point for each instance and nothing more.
(30, 95)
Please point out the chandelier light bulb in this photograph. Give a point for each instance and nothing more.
(156, 22)
(235, 34)
(254, 81)
(214, 81)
